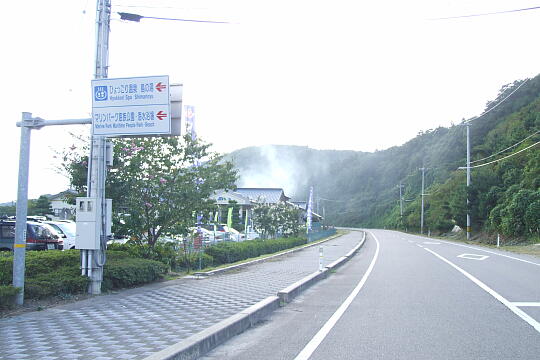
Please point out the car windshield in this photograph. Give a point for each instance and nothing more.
(42, 232)
(67, 228)
(56, 227)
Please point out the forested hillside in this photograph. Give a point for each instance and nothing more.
(361, 189)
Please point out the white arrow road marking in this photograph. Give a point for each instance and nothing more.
(473, 256)
(535, 324)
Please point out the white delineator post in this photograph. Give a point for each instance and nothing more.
(321, 258)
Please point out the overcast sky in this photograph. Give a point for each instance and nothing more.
(360, 75)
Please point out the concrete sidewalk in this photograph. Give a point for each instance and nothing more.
(137, 323)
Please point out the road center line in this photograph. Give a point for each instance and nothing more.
(535, 324)
(323, 332)
(491, 252)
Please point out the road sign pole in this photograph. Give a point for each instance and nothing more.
(19, 246)
(96, 169)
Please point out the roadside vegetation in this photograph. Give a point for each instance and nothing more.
(363, 189)
(57, 273)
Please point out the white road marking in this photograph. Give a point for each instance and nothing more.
(535, 324)
(473, 256)
(432, 243)
(492, 252)
(527, 304)
(323, 332)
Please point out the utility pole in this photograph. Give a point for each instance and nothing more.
(468, 180)
(423, 169)
(400, 186)
(95, 259)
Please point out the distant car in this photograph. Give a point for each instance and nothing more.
(210, 232)
(38, 236)
(66, 228)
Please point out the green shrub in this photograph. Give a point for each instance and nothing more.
(7, 296)
(66, 280)
(128, 272)
(229, 252)
(52, 273)
(6, 270)
(165, 252)
(191, 261)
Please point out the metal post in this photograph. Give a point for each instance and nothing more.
(468, 181)
(19, 245)
(400, 201)
(422, 212)
(97, 163)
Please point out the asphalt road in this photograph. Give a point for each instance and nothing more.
(407, 297)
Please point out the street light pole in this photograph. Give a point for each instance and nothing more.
(19, 245)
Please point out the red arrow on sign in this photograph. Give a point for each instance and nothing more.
(161, 115)
(160, 86)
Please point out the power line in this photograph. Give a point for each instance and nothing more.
(499, 103)
(485, 14)
(506, 157)
(320, 198)
(508, 148)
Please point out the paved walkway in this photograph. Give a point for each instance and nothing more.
(139, 322)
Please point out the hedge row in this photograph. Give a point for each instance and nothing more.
(229, 252)
(52, 273)
(7, 296)
(128, 272)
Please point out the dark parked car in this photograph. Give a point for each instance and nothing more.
(38, 236)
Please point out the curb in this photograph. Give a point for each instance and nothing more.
(232, 267)
(199, 344)
(290, 292)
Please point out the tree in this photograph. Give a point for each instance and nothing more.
(156, 183)
(273, 220)
(41, 206)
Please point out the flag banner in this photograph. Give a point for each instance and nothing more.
(229, 218)
(246, 224)
(189, 115)
(309, 207)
